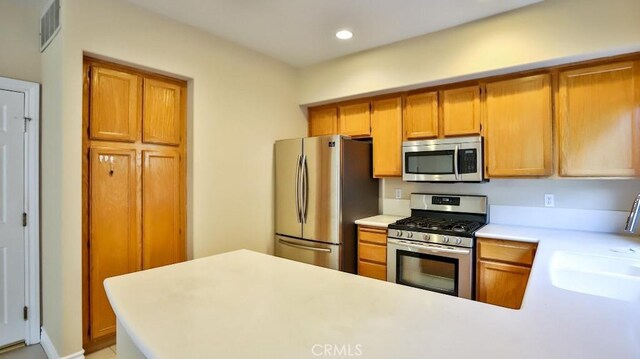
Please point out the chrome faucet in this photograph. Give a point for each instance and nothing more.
(632, 220)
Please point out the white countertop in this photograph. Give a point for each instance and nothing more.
(381, 221)
(244, 304)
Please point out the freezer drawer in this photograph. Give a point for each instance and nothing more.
(320, 254)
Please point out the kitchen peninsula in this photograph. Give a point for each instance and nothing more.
(244, 304)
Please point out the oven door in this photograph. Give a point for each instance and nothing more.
(433, 267)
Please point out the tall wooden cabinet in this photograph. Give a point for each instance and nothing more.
(133, 183)
(518, 127)
(386, 132)
(599, 120)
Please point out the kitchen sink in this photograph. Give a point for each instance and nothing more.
(599, 275)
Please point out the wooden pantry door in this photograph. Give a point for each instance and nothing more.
(162, 235)
(113, 229)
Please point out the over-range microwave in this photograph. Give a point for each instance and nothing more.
(443, 160)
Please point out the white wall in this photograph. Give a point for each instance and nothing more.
(240, 103)
(613, 195)
(19, 40)
(546, 33)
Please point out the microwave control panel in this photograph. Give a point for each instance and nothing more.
(468, 161)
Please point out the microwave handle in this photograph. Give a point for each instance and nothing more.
(455, 162)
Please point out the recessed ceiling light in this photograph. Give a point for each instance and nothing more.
(344, 34)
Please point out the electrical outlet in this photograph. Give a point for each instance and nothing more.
(549, 200)
(398, 193)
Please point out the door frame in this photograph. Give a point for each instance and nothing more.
(31, 91)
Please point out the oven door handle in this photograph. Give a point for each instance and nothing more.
(429, 248)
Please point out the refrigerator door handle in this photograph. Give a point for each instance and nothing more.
(298, 180)
(315, 249)
(305, 188)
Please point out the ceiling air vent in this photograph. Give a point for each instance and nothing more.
(49, 24)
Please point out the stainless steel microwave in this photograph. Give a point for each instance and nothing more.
(443, 160)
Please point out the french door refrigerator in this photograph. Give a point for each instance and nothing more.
(322, 185)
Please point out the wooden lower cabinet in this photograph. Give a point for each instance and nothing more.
(502, 271)
(501, 284)
(372, 252)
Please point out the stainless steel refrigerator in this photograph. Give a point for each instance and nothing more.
(323, 184)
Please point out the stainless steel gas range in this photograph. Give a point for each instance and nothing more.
(434, 249)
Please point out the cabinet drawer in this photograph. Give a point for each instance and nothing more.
(372, 252)
(372, 270)
(506, 251)
(372, 235)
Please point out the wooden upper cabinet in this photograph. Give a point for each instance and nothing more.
(461, 111)
(323, 122)
(161, 122)
(113, 229)
(599, 120)
(115, 105)
(162, 237)
(386, 128)
(355, 120)
(518, 127)
(421, 116)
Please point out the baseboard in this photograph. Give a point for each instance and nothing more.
(51, 351)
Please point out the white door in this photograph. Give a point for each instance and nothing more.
(12, 236)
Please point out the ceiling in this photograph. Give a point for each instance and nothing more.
(302, 32)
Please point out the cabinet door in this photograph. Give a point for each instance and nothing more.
(323, 122)
(421, 116)
(501, 284)
(461, 111)
(386, 128)
(599, 121)
(113, 229)
(161, 122)
(162, 241)
(355, 120)
(115, 105)
(372, 270)
(518, 127)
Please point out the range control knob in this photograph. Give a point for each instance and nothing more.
(458, 240)
(409, 234)
(426, 237)
(399, 233)
(445, 239)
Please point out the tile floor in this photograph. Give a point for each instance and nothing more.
(30, 352)
(36, 352)
(106, 353)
